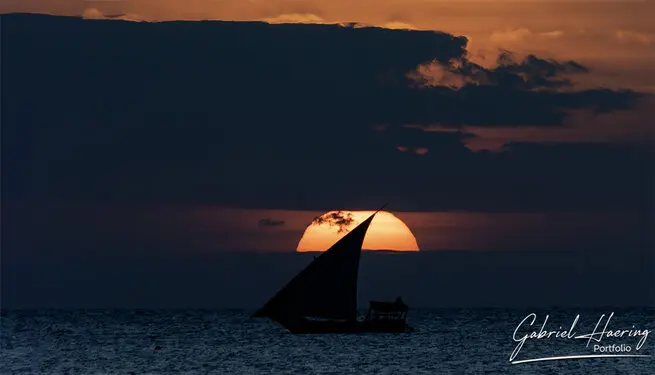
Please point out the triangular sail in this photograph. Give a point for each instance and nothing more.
(326, 288)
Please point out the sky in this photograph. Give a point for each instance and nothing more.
(487, 126)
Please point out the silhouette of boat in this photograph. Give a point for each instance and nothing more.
(322, 298)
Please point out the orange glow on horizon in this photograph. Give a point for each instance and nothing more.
(387, 232)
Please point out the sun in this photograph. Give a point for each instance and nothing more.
(387, 232)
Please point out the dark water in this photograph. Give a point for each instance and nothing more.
(229, 342)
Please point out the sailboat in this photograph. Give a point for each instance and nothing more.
(322, 298)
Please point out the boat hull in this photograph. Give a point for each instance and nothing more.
(325, 327)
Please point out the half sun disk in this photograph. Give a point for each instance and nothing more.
(386, 232)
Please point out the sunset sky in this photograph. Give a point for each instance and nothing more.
(485, 125)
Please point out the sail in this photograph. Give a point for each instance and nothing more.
(326, 288)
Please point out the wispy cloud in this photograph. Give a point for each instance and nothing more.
(270, 222)
(630, 36)
(95, 14)
(296, 18)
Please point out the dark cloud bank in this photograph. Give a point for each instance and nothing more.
(290, 116)
(285, 116)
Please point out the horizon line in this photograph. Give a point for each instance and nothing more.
(489, 250)
(361, 307)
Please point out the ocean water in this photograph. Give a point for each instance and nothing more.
(462, 341)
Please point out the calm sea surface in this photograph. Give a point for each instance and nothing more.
(229, 342)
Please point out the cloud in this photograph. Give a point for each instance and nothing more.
(629, 36)
(92, 14)
(95, 14)
(270, 222)
(417, 151)
(533, 72)
(309, 18)
(509, 36)
(421, 150)
(295, 116)
(523, 35)
(553, 34)
(436, 74)
(527, 74)
(577, 30)
(627, 127)
(296, 18)
(399, 25)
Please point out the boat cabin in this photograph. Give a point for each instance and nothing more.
(394, 311)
